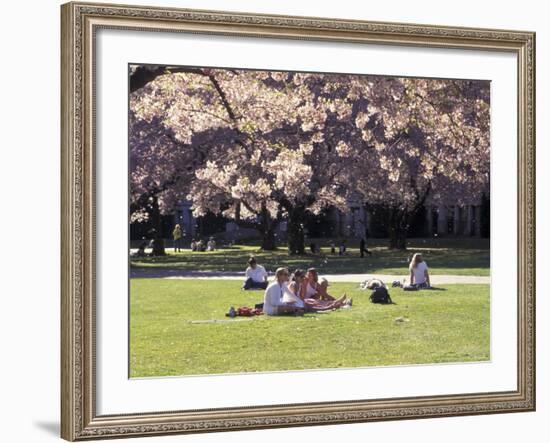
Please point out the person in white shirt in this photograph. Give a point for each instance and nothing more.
(419, 271)
(274, 296)
(255, 276)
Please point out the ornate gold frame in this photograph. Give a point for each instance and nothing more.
(79, 21)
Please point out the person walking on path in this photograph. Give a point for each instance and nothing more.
(363, 248)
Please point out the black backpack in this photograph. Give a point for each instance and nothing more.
(380, 295)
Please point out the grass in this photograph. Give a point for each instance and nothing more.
(447, 325)
(444, 257)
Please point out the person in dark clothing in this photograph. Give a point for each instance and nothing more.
(363, 248)
(342, 248)
(141, 250)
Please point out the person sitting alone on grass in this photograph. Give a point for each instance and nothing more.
(255, 275)
(296, 288)
(419, 275)
(211, 245)
(275, 302)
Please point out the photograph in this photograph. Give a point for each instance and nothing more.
(273, 220)
(298, 221)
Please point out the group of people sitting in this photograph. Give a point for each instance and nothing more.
(299, 293)
(200, 246)
(303, 291)
(292, 294)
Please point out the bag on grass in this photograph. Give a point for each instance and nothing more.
(380, 295)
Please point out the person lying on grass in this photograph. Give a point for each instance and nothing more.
(373, 283)
(312, 304)
(419, 275)
(277, 298)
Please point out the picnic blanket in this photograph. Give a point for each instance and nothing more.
(244, 311)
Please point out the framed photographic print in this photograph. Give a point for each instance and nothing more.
(277, 221)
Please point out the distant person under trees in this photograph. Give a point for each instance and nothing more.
(177, 235)
(211, 245)
(343, 248)
(141, 249)
(255, 275)
(363, 248)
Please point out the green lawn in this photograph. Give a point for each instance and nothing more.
(447, 325)
(444, 257)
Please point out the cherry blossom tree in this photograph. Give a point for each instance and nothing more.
(261, 146)
(295, 156)
(271, 160)
(160, 169)
(431, 140)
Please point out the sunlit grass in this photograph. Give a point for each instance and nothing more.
(179, 327)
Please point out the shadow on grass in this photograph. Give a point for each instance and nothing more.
(465, 261)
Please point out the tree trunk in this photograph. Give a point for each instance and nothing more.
(267, 230)
(399, 219)
(398, 238)
(265, 225)
(296, 241)
(158, 242)
(268, 240)
(485, 216)
(398, 227)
